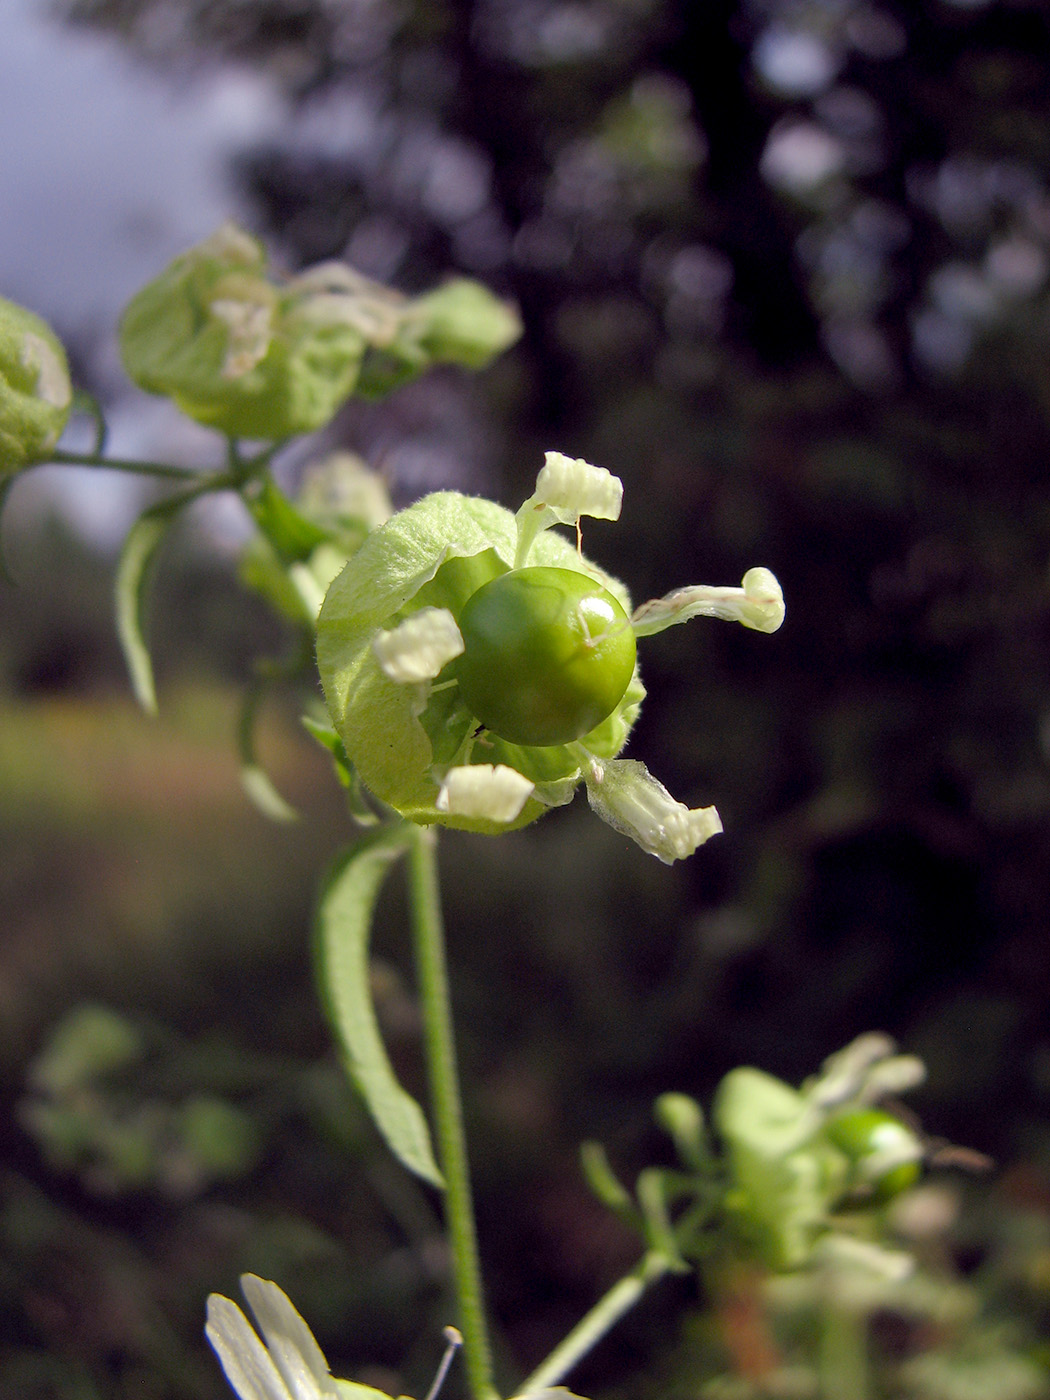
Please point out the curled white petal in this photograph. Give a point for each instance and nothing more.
(843, 1074)
(290, 1366)
(626, 795)
(491, 791)
(573, 486)
(891, 1077)
(417, 649)
(849, 1254)
(757, 603)
(566, 489)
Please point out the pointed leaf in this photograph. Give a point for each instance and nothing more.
(134, 576)
(256, 782)
(344, 922)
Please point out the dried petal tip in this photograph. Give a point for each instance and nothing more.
(625, 794)
(495, 793)
(572, 485)
(566, 489)
(419, 648)
(758, 603)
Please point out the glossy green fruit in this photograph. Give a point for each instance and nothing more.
(870, 1137)
(548, 654)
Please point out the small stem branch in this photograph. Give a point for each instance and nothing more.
(448, 1116)
(123, 464)
(591, 1328)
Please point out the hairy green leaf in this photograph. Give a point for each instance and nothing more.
(344, 921)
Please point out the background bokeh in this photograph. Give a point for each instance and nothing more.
(783, 267)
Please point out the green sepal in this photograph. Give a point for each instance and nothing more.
(291, 534)
(654, 1189)
(35, 389)
(683, 1119)
(235, 351)
(342, 929)
(606, 1185)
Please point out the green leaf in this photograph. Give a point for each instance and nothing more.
(134, 576)
(256, 782)
(291, 534)
(343, 925)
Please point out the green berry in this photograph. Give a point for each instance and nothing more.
(548, 654)
(884, 1152)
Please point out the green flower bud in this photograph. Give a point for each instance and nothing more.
(462, 323)
(35, 392)
(239, 353)
(478, 667)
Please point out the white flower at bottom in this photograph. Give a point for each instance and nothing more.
(494, 792)
(286, 1365)
(626, 795)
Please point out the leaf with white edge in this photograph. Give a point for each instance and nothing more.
(344, 921)
(134, 576)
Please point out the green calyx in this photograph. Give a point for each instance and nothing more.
(35, 390)
(438, 554)
(478, 668)
(257, 357)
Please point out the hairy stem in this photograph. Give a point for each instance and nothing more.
(601, 1319)
(448, 1115)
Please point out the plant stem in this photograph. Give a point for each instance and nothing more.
(431, 969)
(124, 464)
(591, 1328)
(843, 1364)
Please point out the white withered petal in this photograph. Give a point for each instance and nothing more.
(571, 485)
(758, 603)
(420, 647)
(494, 792)
(626, 795)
